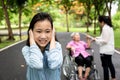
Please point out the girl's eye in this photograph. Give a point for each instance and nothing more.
(38, 31)
(47, 31)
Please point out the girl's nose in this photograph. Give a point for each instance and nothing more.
(43, 35)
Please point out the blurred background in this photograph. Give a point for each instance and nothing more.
(68, 15)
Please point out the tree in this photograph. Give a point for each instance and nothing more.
(118, 4)
(1, 18)
(65, 7)
(88, 6)
(103, 6)
(5, 7)
(98, 8)
(20, 5)
(109, 6)
(0, 40)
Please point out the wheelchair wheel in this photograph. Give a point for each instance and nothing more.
(66, 70)
(97, 76)
(94, 75)
(66, 66)
(69, 68)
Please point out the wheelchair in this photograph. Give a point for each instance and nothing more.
(70, 67)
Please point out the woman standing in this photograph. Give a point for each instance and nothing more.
(42, 53)
(106, 43)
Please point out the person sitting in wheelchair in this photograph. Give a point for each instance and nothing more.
(77, 48)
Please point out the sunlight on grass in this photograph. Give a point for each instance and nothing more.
(5, 42)
(117, 38)
(64, 29)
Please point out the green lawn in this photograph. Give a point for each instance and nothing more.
(117, 38)
(6, 42)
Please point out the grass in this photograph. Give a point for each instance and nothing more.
(6, 42)
(117, 38)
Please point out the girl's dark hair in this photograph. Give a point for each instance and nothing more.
(105, 19)
(38, 17)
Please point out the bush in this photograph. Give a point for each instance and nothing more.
(116, 20)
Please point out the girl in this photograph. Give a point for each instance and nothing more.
(42, 53)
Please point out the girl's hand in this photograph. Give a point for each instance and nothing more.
(53, 35)
(31, 37)
(52, 42)
(53, 32)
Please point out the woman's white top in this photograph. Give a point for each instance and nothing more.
(106, 40)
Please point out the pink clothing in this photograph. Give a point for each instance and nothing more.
(79, 48)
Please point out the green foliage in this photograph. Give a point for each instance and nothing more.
(117, 38)
(116, 20)
(20, 2)
(66, 4)
(118, 4)
(1, 15)
(51, 6)
(5, 42)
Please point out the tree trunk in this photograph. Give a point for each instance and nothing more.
(67, 21)
(0, 40)
(109, 7)
(10, 33)
(20, 17)
(88, 13)
(95, 18)
(87, 23)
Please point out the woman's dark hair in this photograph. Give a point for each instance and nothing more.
(105, 19)
(38, 17)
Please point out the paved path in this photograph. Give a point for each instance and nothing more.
(12, 64)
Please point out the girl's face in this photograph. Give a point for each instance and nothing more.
(42, 32)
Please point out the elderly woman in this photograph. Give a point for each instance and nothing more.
(78, 50)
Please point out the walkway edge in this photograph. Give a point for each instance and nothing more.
(117, 51)
(11, 45)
